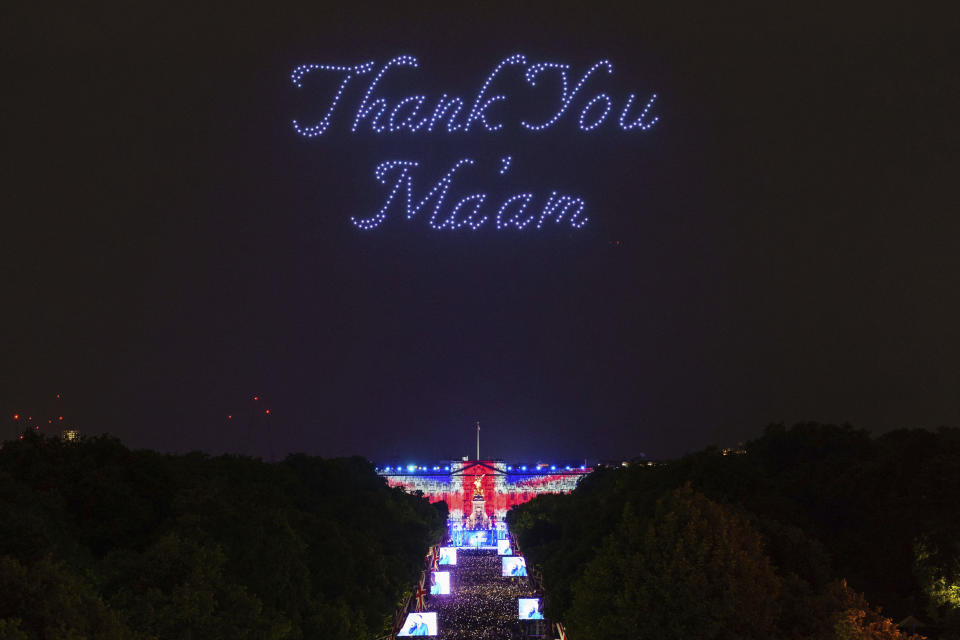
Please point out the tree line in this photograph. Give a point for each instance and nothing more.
(815, 532)
(101, 542)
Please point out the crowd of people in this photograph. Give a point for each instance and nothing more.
(482, 605)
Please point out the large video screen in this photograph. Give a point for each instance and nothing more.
(482, 538)
(514, 566)
(439, 583)
(419, 624)
(448, 556)
(530, 609)
(503, 548)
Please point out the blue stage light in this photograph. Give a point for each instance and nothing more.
(524, 468)
(411, 467)
(553, 467)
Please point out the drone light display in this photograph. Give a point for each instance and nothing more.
(378, 113)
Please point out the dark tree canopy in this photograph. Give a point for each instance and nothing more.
(98, 541)
(782, 539)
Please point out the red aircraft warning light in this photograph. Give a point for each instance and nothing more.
(16, 416)
(267, 411)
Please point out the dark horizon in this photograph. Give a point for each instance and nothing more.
(780, 247)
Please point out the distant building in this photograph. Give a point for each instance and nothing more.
(734, 451)
(478, 492)
(642, 461)
(70, 435)
(612, 464)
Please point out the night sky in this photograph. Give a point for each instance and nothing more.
(781, 246)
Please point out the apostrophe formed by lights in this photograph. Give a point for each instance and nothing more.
(558, 207)
(408, 113)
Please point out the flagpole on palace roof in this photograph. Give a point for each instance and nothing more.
(478, 440)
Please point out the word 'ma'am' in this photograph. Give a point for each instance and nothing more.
(470, 211)
(416, 114)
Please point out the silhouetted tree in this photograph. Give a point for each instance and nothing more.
(695, 570)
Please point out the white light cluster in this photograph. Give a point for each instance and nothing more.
(477, 113)
(466, 212)
(643, 114)
(409, 114)
(410, 468)
(566, 97)
(302, 70)
(367, 105)
(596, 123)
